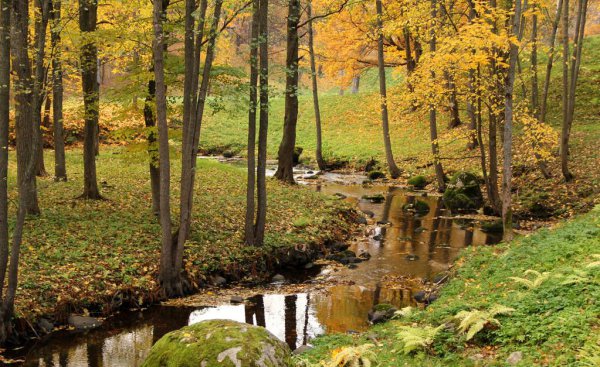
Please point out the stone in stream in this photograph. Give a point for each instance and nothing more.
(219, 343)
(84, 322)
(362, 220)
(364, 255)
(218, 281)
(375, 199)
(369, 213)
(309, 266)
(236, 299)
(463, 193)
(381, 313)
(425, 297)
(46, 325)
(278, 278)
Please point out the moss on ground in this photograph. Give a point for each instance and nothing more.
(79, 254)
(555, 323)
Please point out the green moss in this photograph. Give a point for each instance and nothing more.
(463, 193)
(375, 175)
(492, 227)
(219, 343)
(376, 198)
(418, 182)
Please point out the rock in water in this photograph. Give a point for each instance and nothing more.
(219, 343)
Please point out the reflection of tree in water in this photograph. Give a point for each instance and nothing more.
(94, 353)
(291, 335)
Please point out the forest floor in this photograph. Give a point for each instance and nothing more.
(83, 256)
(555, 318)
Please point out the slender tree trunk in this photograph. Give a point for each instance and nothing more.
(355, 83)
(153, 149)
(24, 104)
(507, 219)
(169, 274)
(251, 180)
(315, 91)
(190, 148)
(435, 150)
(453, 101)
(549, 65)
(60, 167)
(39, 82)
(474, 130)
(261, 179)
(564, 138)
(88, 15)
(389, 155)
(285, 157)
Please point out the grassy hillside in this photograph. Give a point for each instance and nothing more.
(554, 321)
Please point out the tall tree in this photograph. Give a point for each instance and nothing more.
(435, 149)
(24, 103)
(60, 168)
(261, 179)
(315, 90)
(251, 179)
(285, 156)
(513, 56)
(88, 16)
(389, 155)
(166, 259)
(42, 16)
(153, 155)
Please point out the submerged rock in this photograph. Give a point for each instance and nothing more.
(84, 322)
(219, 343)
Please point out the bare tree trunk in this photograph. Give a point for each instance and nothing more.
(575, 64)
(453, 101)
(389, 155)
(261, 180)
(24, 104)
(435, 150)
(285, 157)
(315, 91)
(355, 84)
(473, 141)
(564, 138)
(153, 149)
(543, 108)
(40, 80)
(60, 168)
(88, 14)
(169, 274)
(251, 181)
(507, 219)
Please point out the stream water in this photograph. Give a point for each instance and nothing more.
(408, 245)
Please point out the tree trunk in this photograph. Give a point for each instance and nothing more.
(564, 138)
(507, 219)
(153, 149)
(251, 180)
(435, 150)
(24, 103)
(543, 108)
(389, 155)
(169, 274)
(355, 83)
(60, 168)
(285, 157)
(88, 13)
(453, 103)
(40, 80)
(261, 179)
(315, 91)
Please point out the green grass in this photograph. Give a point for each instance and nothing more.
(554, 324)
(78, 254)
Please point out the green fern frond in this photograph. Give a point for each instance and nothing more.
(359, 356)
(417, 338)
(405, 312)
(472, 322)
(538, 279)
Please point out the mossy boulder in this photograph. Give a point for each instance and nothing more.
(297, 153)
(419, 207)
(463, 193)
(376, 175)
(492, 227)
(219, 343)
(418, 182)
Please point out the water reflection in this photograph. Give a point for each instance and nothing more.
(412, 244)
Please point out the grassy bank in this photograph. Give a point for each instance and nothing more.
(555, 319)
(79, 254)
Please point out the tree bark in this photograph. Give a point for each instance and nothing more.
(251, 178)
(507, 219)
(315, 91)
(24, 105)
(88, 14)
(355, 83)
(549, 65)
(40, 79)
(169, 274)
(435, 150)
(261, 179)
(153, 151)
(564, 138)
(389, 155)
(285, 157)
(60, 168)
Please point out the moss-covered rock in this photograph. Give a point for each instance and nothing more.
(375, 198)
(463, 193)
(219, 343)
(418, 182)
(419, 207)
(376, 175)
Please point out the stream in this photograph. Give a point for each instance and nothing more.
(405, 245)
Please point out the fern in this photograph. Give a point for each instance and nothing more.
(405, 312)
(415, 338)
(472, 322)
(594, 264)
(359, 356)
(537, 280)
(589, 355)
